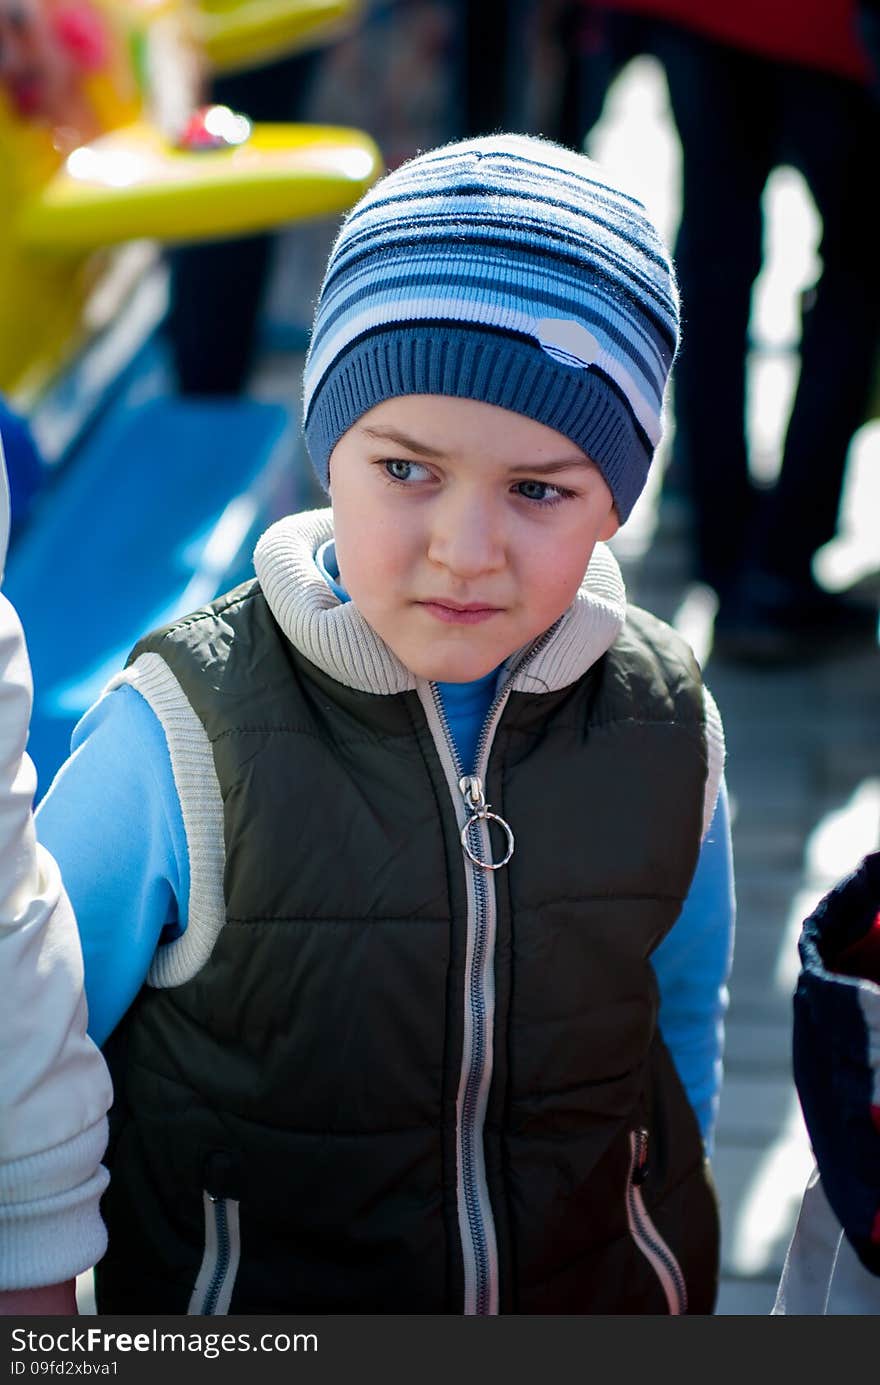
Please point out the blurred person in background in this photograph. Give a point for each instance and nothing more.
(753, 86)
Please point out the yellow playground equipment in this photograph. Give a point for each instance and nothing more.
(104, 142)
(108, 150)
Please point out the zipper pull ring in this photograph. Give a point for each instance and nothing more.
(640, 1162)
(472, 790)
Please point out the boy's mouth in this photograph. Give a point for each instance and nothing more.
(458, 612)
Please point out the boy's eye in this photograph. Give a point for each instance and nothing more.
(539, 490)
(399, 470)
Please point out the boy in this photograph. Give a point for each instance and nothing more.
(396, 832)
(54, 1086)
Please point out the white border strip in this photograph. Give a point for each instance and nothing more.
(198, 789)
(715, 753)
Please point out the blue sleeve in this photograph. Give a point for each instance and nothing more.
(692, 966)
(112, 820)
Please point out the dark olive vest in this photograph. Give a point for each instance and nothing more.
(310, 1070)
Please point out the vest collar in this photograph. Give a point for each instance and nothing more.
(335, 637)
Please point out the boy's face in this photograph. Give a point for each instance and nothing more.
(463, 530)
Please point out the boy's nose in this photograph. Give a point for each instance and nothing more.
(466, 537)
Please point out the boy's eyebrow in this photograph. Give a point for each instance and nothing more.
(402, 440)
(423, 450)
(549, 468)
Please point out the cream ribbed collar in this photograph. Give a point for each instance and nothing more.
(334, 636)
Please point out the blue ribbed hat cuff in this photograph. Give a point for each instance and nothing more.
(474, 363)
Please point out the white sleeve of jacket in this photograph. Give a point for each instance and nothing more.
(54, 1087)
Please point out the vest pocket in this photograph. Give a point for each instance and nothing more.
(216, 1278)
(645, 1233)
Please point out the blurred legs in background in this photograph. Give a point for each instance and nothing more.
(738, 116)
(217, 289)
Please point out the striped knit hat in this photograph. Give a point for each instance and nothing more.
(505, 269)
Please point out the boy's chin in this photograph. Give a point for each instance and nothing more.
(455, 673)
(459, 675)
(450, 669)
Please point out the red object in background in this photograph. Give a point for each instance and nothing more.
(862, 958)
(82, 31)
(816, 33)
(213, 127)
(46, 50)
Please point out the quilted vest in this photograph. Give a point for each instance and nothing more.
(287, 1131)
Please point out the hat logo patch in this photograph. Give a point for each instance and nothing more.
(567, 341)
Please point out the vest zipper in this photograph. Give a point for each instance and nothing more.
(645, 1233)
(216, 1277)
(475, 1220)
